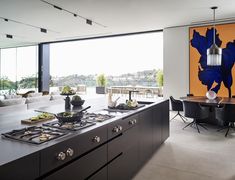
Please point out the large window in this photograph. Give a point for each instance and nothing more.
(125, 60)
(18, 71)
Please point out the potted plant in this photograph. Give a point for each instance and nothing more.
(159, 79)
(101, 83)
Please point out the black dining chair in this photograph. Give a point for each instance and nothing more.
(177, 105)
(195, 111)
(227, 115)
(188, 95)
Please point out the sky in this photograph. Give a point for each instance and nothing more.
(111, 56)
(17, 63)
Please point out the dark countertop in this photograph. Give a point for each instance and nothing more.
(12, 150)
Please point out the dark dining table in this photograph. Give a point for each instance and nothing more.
(204, 101)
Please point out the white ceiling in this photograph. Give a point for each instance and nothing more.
(119, 16)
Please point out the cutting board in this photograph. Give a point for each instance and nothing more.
(29, 121)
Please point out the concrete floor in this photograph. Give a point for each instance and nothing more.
(188, 155)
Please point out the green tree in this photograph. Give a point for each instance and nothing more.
(159, 77)
(101, 80)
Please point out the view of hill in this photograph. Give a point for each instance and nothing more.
(142, 78)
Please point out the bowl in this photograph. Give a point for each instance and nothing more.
(211, 95)
(77, 103)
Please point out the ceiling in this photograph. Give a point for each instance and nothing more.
(118, 16)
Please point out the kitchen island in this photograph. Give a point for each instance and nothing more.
(113, 149)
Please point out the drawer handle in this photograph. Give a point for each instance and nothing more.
(135, 121)
(69, 152)
(96, 139)
(61, 156)
(115, 129)
(120, 128)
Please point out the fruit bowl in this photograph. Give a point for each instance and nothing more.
(77, 103)
(211, 95)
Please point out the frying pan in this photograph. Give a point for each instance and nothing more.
(74, 117)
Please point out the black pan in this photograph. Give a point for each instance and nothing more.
(71, 117)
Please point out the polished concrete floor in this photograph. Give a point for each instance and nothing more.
(188, 155)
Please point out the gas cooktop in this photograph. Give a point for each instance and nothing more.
(35, 134)
(55, 129)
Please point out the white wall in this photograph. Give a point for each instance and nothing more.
(176, 61)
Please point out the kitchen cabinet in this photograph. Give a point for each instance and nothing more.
(82, 168)
(112, 150)
(157, 128)
(100, 175)
(145, 135)
(165, 126)
(125, 146)
(26, 168)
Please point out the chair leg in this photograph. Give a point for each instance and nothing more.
(197, 127)
(227, 131)
(183, 118)
(175, 116)
(202, 126)
(194, 122)
(190, 124)
(222, 128)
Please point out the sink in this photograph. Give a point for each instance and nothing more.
(124, 110)
(145, 102)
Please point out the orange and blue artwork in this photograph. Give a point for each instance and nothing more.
(220, 79)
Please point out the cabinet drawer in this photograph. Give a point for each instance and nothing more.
(83, 167)
(100, 175)
(122, 143)
(130, 121)
(79, 145)
(115, 147)
(115, 128)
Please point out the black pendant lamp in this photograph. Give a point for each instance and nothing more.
(214, 53)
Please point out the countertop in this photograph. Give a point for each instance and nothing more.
(12, 150)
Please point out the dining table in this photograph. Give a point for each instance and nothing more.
(212, 104)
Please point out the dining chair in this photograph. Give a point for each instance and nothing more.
(226, 113)
(177, 105)
(188, 95)
(233, 96)
(197, 112)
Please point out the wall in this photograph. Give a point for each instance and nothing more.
(176, 61)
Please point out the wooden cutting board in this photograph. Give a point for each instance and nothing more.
(29, 121)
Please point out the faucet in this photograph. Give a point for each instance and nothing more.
(130, 92)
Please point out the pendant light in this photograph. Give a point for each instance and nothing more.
(214, 53)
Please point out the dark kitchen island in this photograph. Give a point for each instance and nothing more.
(113, 149)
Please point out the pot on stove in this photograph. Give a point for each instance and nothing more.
(70, 116)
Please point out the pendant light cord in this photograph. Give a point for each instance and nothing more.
(214, 26)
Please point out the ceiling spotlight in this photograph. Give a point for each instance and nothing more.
(9, 36)
(88, 21)
(43, 30)
(75, 15)
(6, 20)
(57, 7)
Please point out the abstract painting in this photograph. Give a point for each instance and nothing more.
(217, 78)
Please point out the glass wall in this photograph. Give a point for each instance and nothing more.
(132, 60)
(19, 69)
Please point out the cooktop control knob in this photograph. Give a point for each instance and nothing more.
(69, 152)
(61, 156)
